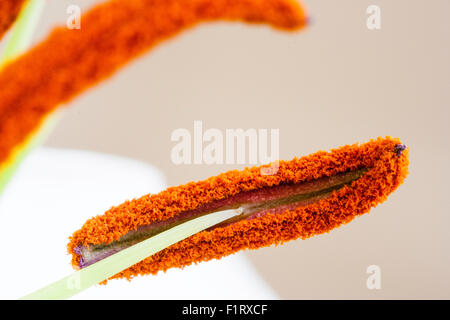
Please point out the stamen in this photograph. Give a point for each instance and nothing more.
(252, 204)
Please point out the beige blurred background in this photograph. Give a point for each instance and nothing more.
(332, 84)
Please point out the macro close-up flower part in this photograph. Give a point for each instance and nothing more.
(336, 187)
(160, 143)
(70, 61)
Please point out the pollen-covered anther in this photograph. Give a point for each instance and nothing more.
(307, 196)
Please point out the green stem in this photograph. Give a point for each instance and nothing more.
(108, 267)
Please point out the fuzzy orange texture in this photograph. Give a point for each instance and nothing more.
(70, 61)
(387, 171)
(9, 10)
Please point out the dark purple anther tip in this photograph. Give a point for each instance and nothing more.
(82, 263)
(77, 250)
(399, 149)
